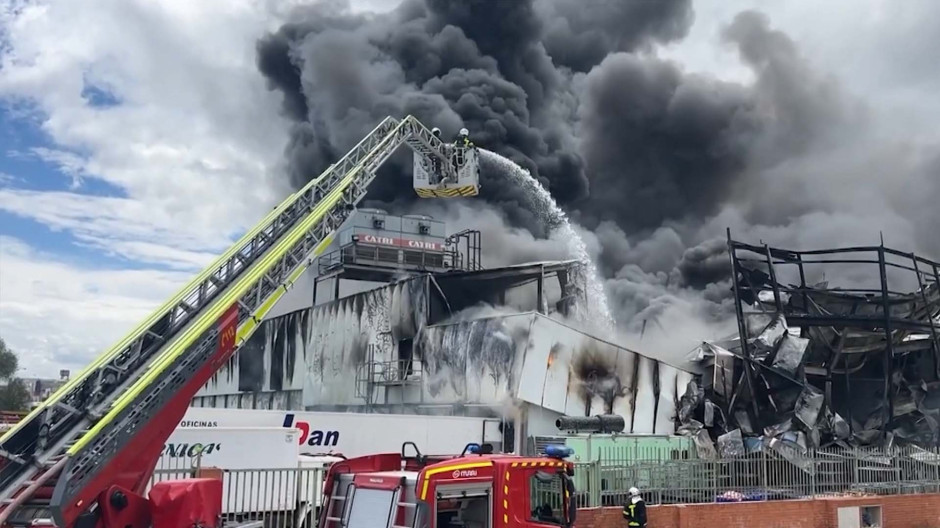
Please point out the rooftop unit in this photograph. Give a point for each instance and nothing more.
(375, 246)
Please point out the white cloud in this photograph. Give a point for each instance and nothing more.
(68, 163)
(117, 226)
(880, 50)
(195, 143)
(57, 314)
(197, 134)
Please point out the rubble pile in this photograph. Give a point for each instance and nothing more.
(815, 367)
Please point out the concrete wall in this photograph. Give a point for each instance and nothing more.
(899, 511)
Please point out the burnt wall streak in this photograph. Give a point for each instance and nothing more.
(376, 350)
(306, 347)
(468, 357)
(280, 345)
(251, 363)
(600, 384)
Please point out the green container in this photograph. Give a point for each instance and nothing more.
(649, 462)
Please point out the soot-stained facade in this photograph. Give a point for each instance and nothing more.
(498, 343)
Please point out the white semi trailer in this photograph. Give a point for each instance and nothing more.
(357, 434)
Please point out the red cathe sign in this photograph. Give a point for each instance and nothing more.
(399, 242)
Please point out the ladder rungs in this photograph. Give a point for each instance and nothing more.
(406, 505)
(338, 498)
(333, 519)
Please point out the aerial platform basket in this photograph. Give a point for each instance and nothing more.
(458, 176)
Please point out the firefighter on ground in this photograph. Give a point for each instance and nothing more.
(634, 511)
(463, 139)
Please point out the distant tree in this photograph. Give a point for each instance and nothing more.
(14, 396)
(9, 363)
(13, 393)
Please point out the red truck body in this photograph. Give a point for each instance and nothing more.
(475, 491)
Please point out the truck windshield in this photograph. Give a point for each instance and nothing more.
(370, 508)
(464, 512)
(547, 498)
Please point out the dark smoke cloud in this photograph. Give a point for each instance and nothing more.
(579, 35)
(479, 64)
(659, 144)
(653, 161)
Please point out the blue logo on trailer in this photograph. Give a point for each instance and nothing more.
(312, 437)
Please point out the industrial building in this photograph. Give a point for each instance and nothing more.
(399, 317)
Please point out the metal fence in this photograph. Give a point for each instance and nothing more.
(289, 498)
(760, 476)
(281, 498)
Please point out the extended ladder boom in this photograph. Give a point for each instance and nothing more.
(107, 425)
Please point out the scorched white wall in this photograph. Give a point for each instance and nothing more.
(335, 358)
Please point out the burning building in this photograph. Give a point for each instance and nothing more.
(396, 317)
(835, 346)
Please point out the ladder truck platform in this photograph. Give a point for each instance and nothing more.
(83, 458)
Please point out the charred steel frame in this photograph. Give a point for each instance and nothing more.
(882, 298)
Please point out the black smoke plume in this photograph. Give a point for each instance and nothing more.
(654, 162)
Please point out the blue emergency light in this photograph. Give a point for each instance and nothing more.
(473, 449)
(558, 451)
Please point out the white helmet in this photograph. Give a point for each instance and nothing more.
(436, 131)
(634, 492)
(463, 132)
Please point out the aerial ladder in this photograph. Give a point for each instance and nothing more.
(83, 458)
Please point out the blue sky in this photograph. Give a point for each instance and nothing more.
(24, 168)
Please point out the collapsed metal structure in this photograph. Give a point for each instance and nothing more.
(836, 346)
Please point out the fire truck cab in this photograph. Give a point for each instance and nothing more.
(474, 490)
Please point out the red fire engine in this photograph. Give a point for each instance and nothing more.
(474, 490)
(84, 457)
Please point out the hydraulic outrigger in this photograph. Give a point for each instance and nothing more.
(83, 458)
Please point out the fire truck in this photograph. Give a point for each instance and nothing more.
(83, 458)
(477, 489)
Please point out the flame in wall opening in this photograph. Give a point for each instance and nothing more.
(553, 353)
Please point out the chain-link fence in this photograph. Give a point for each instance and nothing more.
(760, 476)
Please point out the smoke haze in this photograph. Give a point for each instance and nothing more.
(652, 161)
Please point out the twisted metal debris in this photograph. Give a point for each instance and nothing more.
(835, 347)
